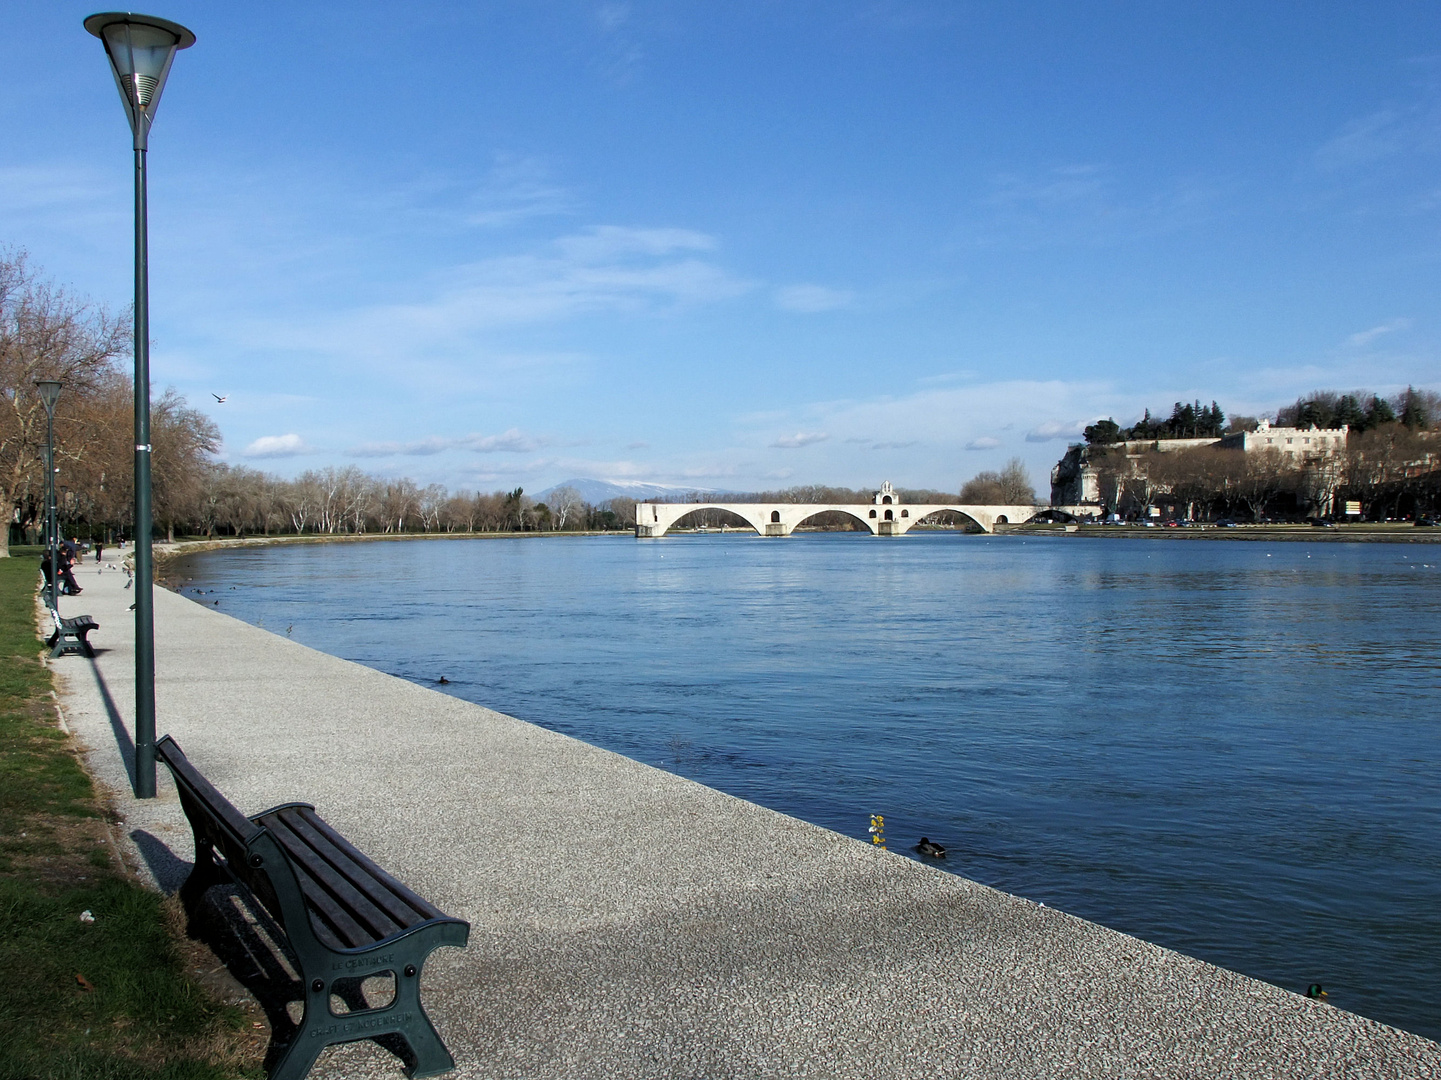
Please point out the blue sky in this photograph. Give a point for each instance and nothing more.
(747, 244)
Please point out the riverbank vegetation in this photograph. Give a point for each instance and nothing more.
(94, 983)
(1197, 465)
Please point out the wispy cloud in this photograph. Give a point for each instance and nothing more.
(799, 439)
(512, 442)
(603, 270)
(1368, 139)
(1365, 337)
(517, 189)
(985, 442)
(810, 299)
(1085, 203)
(276, 446)
(1056, 429)
(621, 55)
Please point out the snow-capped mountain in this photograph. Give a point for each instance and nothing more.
(596, 492)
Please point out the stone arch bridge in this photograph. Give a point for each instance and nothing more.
(781, 519)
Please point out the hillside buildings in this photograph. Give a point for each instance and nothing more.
(1122, 477)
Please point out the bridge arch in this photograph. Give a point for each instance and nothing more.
(819, 510)
(693, 517)
(935, 511)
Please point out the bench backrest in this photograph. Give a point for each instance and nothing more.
(350, 901)
(217, 822)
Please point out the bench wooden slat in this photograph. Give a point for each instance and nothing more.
(424, 907)
(399, 902)
(404, 896)
(349, 912)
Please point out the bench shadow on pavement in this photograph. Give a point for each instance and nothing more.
(244, 937)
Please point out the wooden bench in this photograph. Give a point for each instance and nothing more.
(345, 919)
(71, 635)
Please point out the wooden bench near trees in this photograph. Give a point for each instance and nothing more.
(345, 920)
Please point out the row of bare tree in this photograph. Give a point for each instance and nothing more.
(237, 501)
(47, 334)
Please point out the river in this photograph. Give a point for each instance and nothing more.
(1231, 749)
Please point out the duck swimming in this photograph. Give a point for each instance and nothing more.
(931, 849)
(1315, 992)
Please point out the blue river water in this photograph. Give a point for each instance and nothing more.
(1229, 748)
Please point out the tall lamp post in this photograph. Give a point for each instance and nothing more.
(141, 48)
(49, 395)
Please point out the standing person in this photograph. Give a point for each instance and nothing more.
(99, 549)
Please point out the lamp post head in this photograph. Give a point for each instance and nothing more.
(140, 48)
(49, 393)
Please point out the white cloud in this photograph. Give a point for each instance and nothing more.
(603, 243)
(809, 299)
(1365, 140)
(985, 442)
(516, 190)
(799, 439)
(276, 446)
(603, 270)
(1365, 337)
(1056, 429)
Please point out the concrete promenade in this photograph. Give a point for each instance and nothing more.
(627, 923)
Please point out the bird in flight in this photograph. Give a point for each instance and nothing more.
(217, 397)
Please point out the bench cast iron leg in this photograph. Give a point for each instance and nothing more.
(430, 1056)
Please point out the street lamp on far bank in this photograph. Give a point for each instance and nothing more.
(141, 49)
(49, 395)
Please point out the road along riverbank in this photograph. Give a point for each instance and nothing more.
(630, 923)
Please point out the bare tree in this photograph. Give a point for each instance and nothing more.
(565, 504)
(46, 334)
(1009, 487)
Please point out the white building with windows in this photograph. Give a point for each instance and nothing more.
(1299, 444)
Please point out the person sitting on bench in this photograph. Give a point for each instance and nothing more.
(67, 573)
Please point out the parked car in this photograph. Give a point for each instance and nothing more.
(1425, 522)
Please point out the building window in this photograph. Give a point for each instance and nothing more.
(889, 516)
(776, 516)
(873, 513)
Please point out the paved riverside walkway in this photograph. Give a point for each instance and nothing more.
(627, 923)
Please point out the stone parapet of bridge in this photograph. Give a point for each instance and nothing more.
(781, 519)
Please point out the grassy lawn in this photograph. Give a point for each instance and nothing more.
(79, 998)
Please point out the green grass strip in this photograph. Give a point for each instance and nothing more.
(80, 999)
